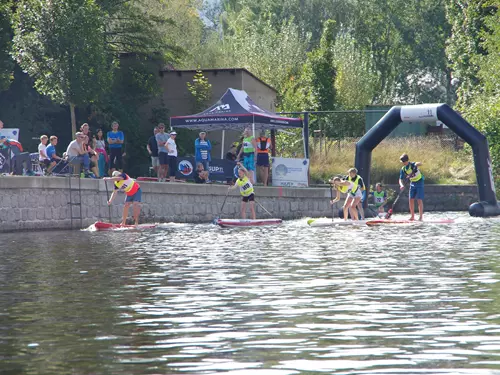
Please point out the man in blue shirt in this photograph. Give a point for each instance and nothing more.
(410, 171)
(202, 148)
(115, 140)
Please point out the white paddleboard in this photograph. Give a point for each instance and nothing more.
(333, 223)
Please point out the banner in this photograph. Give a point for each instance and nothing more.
(220, 169)
(290, 172)
(9, 133)
(5, 160)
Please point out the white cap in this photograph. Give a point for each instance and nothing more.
(117, 173)
(173, 133)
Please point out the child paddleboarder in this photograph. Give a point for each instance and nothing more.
(245, 184)
(132, 189)
(379, 197)
(346, 187)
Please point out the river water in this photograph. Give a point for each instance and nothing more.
(198, 299)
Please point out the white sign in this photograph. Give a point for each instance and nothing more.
(419, 113)
(9, 133)
(290, 172)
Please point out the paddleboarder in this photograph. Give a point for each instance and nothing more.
(379, 197)
(410, 171)
(132, 189)
(357, 190)
(245, 183)
(346, 187)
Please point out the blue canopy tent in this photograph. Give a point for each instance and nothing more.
(235, 110)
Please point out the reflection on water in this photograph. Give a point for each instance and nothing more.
(197, 299)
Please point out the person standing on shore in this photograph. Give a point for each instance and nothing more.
(410, 171)
(263, 147)
(161, 141)
(202, 149)
(152, 148)
(248, 151)
(132, 189)
(115, 141)
(172, 156)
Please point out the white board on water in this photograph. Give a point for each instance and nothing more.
(419, 113)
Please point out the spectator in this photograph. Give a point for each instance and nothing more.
(202, 147)
(42, 153)
(20, 159)
(263, 147)
(238, 147)
(161, 141)
(51, 154)
(172, 156)
(115, 139)
(152, 148)
(99, 144)
(231, 153)
(200, 175)
(1, 124)
(76, 151)
(92, 155)
(248, 153)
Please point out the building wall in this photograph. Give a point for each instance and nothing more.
(41, 203)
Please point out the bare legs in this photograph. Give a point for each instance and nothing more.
(263, 174)
(244, 209)
(136, 209)
(420, 204)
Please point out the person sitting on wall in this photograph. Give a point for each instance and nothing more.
(77, 154)
(52, 155)
(200, 175)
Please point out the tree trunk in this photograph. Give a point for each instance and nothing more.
(73, 120)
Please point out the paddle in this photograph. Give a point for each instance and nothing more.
(261, 206)
(107, 199)
(389, 212)
(331, 199)
(223, 203)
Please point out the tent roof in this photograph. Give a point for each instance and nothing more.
(234, 111)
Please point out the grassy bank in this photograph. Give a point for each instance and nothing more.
(441, 163)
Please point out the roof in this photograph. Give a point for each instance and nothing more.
(231, 70)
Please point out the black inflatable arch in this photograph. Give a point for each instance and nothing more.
(487, 205)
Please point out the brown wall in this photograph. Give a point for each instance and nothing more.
(176, 96)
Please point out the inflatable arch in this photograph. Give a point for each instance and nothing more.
(487, 205)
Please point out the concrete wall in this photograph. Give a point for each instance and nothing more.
(40, 203)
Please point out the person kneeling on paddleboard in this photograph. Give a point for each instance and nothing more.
(344, 186)
(410, 171)
(245, 183)
(379, 198)
(124, 182)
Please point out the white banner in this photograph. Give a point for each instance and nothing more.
(290, 172)
(419, 113)
(9, 133)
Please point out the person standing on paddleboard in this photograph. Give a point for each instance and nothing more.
(346, 187)
(132, 189)
(245, 183)
(410, 171)
(357, 190)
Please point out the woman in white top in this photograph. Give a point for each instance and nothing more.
(172, 156)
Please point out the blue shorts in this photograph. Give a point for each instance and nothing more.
(417, 190)
(249, 162)
(134, 198)
(263, 159)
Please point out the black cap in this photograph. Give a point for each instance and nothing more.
(404, 158)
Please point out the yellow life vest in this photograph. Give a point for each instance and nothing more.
(355, 182)
(408, 170)
(128, 185)
(246, 187)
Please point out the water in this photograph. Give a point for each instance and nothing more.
(197, 299)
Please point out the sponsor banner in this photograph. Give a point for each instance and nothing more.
(10, 133)
(220, 169)
(290, 172)
(419, 113)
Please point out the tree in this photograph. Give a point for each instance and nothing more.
(62, 46)
(6, 62)
(201, 91)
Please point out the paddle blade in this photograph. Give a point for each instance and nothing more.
(388, 214)
(310, 221)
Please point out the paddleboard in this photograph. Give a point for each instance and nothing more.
(99, 225)
(333, 223)
(247, 222)
(408, 222)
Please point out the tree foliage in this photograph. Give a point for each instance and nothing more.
(201, 91)
(6, 62)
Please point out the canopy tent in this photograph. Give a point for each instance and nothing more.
(235, 110)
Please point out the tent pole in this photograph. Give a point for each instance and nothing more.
(254, 168)
(305, 134)
(222, 146)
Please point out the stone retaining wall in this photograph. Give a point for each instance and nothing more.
(36, 203)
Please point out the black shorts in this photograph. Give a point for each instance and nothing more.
(250, 198)
(115, 158)
(163, 156)
(172, 165)
(263, 160)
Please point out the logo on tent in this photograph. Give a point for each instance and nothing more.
(221, 108)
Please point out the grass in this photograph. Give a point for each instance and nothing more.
(441, 164)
